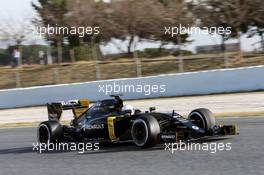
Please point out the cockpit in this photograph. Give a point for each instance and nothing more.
(105, 107)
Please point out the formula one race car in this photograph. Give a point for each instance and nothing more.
(110, 121)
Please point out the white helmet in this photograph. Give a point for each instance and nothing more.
(128, 107)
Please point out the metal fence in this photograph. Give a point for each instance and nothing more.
(37, 75)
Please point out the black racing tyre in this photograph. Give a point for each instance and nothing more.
(145, 131)
(50, 131)
(203, 118)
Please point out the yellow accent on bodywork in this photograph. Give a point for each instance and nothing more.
(234, 130)
(79, 111)
(111, 128)
(85, 102)
(179, 136)
(230, 129)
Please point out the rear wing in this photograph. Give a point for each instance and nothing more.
(78, 107)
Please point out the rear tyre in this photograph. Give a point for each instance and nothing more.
(50, 131)
(203, 118)
(145, 131)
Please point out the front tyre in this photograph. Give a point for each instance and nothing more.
(50, 132)
(203, 118)
(145, 131)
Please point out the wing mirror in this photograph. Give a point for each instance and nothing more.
(152, 109)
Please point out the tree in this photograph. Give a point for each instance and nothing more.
(256, 21)
(16, 32)
(146, 19)
(125, 20)
(52, 13)
(177, 15)
(228, 13)
(136, 19)
(89, 13)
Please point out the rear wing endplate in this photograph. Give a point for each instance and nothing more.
(78, 107)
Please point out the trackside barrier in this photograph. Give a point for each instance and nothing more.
(193, 83)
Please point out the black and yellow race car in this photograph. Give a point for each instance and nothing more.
(111, 121)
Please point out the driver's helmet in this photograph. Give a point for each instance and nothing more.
(129, 107)
(111, 104)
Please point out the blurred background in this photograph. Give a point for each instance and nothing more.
(132, 41)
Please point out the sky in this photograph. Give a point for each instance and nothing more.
(16, 8)
(20, 9)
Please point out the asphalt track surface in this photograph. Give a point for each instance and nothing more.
(245, 157)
